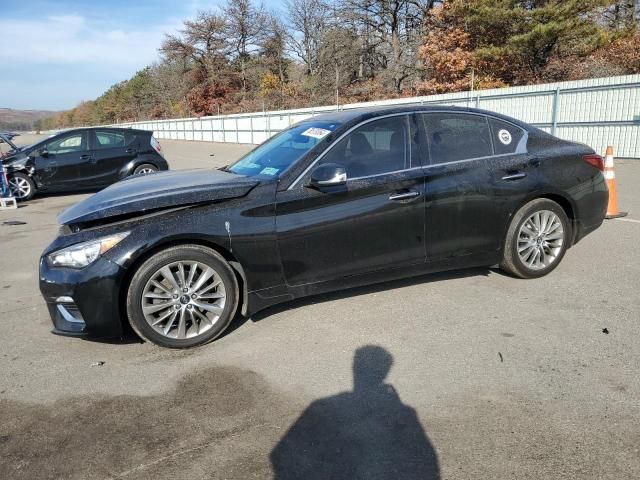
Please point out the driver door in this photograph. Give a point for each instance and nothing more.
(376, 221)
(59, 165)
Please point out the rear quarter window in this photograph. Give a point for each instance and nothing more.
(506, 137)
(113, 139)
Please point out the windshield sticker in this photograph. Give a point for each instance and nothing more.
(316, 132)
(269, 171)
(504, 136)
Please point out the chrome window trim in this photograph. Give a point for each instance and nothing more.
(306, 170)
(385, 173)
(485, 115)
(473, 159)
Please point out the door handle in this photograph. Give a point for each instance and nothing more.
(130, 150)
(404, 195)
(86, 156)
(514, 176)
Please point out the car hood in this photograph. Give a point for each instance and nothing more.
(157, 191)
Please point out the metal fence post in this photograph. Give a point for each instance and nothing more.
(554, 112)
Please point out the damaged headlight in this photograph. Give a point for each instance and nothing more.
(82, 254)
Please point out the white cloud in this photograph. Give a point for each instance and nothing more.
(72, 39)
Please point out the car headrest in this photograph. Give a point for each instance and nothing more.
(360, 145)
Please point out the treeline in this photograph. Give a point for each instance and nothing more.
(243, 57)
(17, 126)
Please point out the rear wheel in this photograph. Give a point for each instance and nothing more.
(145, 169)
(182, 297)
(21, 186)
(537, 239)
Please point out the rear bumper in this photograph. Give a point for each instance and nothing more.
(591, 213)
(85, 302)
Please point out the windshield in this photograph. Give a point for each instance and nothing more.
(274, 156)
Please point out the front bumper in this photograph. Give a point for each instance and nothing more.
(84, 302)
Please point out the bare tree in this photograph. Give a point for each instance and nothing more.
(202, 41)
(339, 58)
(244, 26)
(274, 48)
(308, 20)
(393, 30)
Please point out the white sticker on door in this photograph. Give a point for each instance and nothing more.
(504, 136)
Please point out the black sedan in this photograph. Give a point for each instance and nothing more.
(82, 159)
(336, 201)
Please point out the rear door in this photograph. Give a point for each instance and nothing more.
(462, 216)
(60, 166)
(515, 172)
(376, 222)
(111, 151)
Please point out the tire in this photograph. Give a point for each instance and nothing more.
(21, 186)
(145, 169)
(183, 325)
(543, 226)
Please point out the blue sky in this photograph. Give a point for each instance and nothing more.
(53, 54)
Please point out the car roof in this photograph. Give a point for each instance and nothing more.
(355, 114)
(120, 129)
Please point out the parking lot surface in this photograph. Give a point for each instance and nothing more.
(491, 377)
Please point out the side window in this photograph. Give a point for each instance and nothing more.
(377, 147)
(506, 137)
(68, 144)
(457, 136)
(109, 139)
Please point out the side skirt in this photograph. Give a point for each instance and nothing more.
(259, 300)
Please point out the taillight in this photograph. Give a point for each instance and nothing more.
(595, 160)
(156, 145)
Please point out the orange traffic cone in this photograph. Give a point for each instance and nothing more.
(610, 177)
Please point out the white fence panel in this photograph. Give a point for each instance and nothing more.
(598, 112)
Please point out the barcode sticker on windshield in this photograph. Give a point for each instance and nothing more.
(269, 171)
(316, 132)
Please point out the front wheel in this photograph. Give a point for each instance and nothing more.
(537, 239)
(182, 297)
(21, 186)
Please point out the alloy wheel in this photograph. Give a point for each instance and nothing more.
(540, 239)
(183, 299)
(145, 171)
(19, 187)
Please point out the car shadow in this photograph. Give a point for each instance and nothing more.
(128, 337)
(367, 433)
(356, 291)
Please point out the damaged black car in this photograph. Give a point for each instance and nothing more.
(80, 160)
(336, 201)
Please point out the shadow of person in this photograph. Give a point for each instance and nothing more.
(364, 434)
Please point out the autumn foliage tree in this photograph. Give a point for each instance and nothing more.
(242, 57)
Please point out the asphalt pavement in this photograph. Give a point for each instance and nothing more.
(470, 374)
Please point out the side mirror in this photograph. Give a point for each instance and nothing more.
(43, 152)
(327, 176)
